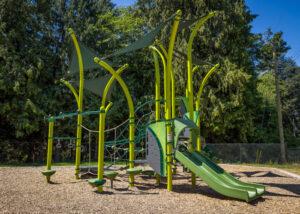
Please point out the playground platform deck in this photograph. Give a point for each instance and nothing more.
(24, 190)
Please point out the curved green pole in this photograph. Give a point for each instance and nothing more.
(209, 73)
(110, 82)
(168, 116)
(72, 89)
(189, 88)
(131, 113)
(173, 103)
(157, 86)
(155, 51)
(196, 68)
(80, 103)
(50, 146)
(102, 116)
(160, 45)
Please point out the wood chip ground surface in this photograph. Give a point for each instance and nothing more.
(24, 190)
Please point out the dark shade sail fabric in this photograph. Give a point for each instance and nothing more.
(143, 42)
(88, 55)
(97, 85)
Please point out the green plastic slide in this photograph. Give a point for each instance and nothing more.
(216, 177)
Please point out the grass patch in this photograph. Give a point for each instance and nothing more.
(57, 164)
(291, 167)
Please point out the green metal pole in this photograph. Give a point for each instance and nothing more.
(72, 89)
(50, 147)
(157, 86)
(173, 103)
(80, 103)
(50, 144)
(155, 51)
(168, 115)
(102, 116)
(189, 89)
(131, 113)
(199, 94)
(101, 137)
(101, 146)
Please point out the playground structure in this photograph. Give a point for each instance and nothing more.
(172, 136)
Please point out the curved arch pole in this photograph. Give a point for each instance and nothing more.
(131, 113)
(155, 51)
(189, 87)
(173, 96)
(168, 116)
(195, 68)
(102, 117)
(72, 89)
(209, 73)
(110, 82)
(80, 102)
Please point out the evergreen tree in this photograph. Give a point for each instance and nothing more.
(229, 102)
(273, 48)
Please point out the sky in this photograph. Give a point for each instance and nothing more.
(279, 15)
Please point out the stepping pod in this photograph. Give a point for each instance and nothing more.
(111, 175)
(48, 174)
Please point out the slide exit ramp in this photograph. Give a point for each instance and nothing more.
(216, 177)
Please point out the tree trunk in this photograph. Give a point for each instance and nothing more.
(279, 112)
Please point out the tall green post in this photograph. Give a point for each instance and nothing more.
(168, 113)
(80, 103)
(131, 113)
(198, 101)
(49, 172)
(156, 52)
(101, 136)
(189, 88)
(157, 86)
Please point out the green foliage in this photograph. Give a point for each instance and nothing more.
(35, 51)
(272, 50)
(228, 103)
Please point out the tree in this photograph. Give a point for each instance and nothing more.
(274, 47)
(34, 52)
(229, 102)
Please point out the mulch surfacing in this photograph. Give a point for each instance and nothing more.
(24, 190)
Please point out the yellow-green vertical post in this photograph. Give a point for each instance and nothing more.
(80, 103)
(173, 103)
(50, 143)
(198, 148)
(101, 146)
(157, 86)
(101, 134)
(131, 148)
(189, 89)
(131, 113)
(155, 51)
(198, 101)
(168, 116)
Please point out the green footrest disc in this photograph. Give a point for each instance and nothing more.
(96, 182)
(48, 173)
(134, 171)
(110, 174)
